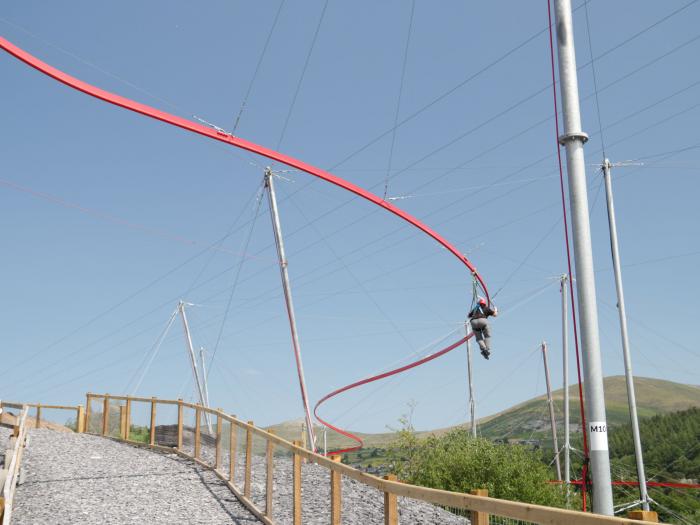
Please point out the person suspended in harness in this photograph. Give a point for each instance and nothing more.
(480, 326)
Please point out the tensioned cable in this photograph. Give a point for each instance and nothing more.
(146, 364)
(261, 58)
(398, 101)
(236, 278)
(595, 81)
(303, 74)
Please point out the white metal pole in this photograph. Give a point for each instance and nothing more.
(573, 139)
(631, 397)
(205, 381)
(565, 360)
(472, 402)
(552, 420)
(277, 229)
(193, 362)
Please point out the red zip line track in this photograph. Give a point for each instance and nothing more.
(377, 377)
(237, 142)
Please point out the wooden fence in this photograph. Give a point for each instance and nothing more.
(13, 458)
(477, 505)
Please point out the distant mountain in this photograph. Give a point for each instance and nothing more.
(531, 419)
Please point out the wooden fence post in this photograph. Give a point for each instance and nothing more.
(122, 422)
(643, 515)
(80, 419)
(336, 495)
(217, 461)
(197, 432)
(87, 412)
(179, 423)
(248, 460)
(38, 415)
(127, 430)
(152, 440)
(232, 451)
(391, 511)
(270, 475)
(105, 415)
(479, 518)
(296, 487)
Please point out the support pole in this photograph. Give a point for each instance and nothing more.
(193, 362)
(565, 361)
(204, 376)
(629, 377)
(277, 229)
(472, 402)
(573, 140)
(552, 419)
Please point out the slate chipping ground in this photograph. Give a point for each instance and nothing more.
(116, 483)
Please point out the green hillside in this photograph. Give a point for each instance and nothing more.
(531, 419)
(654, 396)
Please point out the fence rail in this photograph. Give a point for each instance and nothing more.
(226, 452)
(13, 459)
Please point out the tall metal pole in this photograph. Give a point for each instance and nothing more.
(193, 362)
(631, 397)
(277, 229)
(552, 420)
(204, 376)
(472, 402)
(565, 360)
(573, 139)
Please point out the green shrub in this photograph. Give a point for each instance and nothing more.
(458, 462)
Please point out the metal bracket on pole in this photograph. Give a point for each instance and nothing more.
(279, 242)
(629, 377)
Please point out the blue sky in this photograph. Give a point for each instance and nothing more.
(109, 218)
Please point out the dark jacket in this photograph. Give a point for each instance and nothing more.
(481, 312)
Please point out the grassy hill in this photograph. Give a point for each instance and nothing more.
(654, 396)
(531, 419)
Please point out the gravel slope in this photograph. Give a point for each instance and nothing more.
(82, 479)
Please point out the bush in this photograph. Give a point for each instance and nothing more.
(458, 462)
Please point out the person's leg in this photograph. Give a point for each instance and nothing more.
(486, 335)
(478, 329)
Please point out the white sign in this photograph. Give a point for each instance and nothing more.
(598, 435)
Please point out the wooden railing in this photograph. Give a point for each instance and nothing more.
(13, 460)
(478, 505)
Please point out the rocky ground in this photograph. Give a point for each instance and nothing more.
(78, 478)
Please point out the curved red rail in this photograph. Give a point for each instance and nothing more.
(221, 136)
(372, 379)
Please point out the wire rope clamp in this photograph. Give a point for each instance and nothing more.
(574, 135)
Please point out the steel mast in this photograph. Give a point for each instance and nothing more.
(573, 139)
(472, 402)
(277, 229)
(631, 397)
(552, 419)
(193, 362)
(205, 379)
